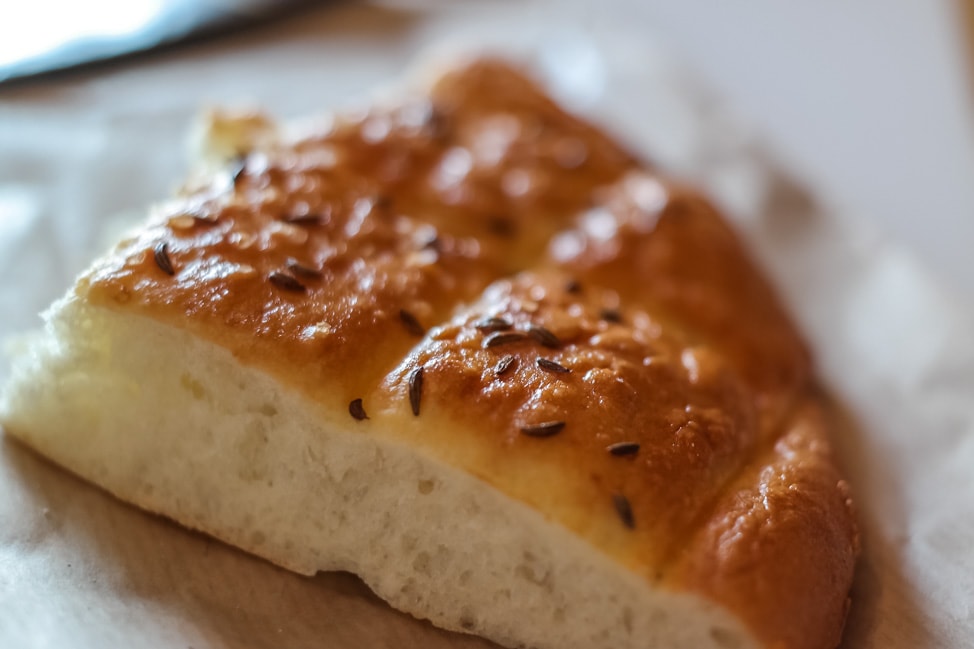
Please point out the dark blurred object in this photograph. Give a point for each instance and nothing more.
(46, 35)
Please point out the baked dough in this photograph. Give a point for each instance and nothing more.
(469, 348)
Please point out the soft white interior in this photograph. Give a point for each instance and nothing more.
(179, 427)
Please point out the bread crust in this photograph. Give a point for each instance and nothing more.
(506, 289)
(780, 540)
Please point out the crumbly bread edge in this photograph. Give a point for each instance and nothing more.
(177, 426)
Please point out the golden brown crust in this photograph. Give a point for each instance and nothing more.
(507, 290)
(611, 375)
(665, 246)
(780, 547)
(414, 208)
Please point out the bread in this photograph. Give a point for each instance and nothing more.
(470, 349)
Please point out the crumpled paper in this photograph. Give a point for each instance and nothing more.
(79, 569)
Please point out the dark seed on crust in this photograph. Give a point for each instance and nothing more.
(238, 169)
(611, 315)
(286, 282)
(551, 366)
(432, 242)
(623, 448)
(161, 255)
(544, 429)
(505, 365)
(544, 337)
(437, 123)
(303, 219)
(624, 509)
(501, 227)
(503, 338)
(411, 323)
(488, 325)
(416, 389)
(573, 286)
(301, 270)
(356, 410)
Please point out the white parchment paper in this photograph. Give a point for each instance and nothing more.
(81, 155)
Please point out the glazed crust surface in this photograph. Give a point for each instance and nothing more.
(572, 328)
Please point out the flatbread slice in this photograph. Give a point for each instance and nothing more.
(469, 348)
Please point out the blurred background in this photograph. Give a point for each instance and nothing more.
(868, 102)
